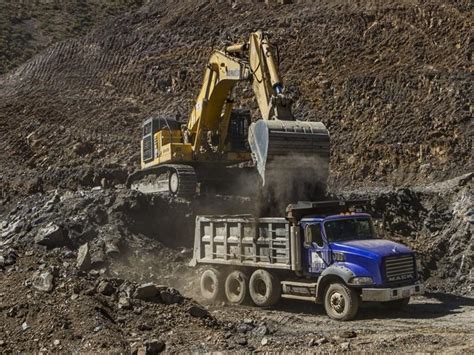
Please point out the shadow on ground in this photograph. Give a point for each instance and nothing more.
(432, 305)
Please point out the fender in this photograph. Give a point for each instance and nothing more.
(338, 271)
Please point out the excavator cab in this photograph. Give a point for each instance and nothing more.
(238, 130)
(150, 128)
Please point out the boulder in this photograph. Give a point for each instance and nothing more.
(198, 312)
(146, 292)
(150, 347)
(51, 236)
(124, 303)
(83, 261)
(347, 334)
(43, 281)
(106, 288)
(154, 346)
(170, 296)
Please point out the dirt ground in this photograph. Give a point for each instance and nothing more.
(71, 264)
(79, 315)
(436, 322)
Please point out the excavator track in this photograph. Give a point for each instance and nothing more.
(174, 179)
(186, 180)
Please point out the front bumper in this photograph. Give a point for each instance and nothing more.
(389, 294)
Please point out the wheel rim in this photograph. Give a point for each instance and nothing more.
(337, 301)
(209, 285)
(174, 182)
(234, 287)
(260, 288)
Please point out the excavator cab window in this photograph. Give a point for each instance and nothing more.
(238, 129)
(147, 129)
(150, 127)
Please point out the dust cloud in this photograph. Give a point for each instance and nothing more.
(290, 179)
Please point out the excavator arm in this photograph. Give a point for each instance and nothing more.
(278, 142)
(285, 151)
(213, 106)
(266, 82)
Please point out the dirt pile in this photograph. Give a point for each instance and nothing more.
(113, 224)
(391, 81)
(48, 305)
(86, 269)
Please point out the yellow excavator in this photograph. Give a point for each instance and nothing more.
(220, 146)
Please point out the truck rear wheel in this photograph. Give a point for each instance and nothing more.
(341, 302)
(236, 287)
(212, 285)
(265, 288)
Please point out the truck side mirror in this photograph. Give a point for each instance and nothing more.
(313, 235)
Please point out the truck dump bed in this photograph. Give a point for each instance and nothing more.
(242, 240)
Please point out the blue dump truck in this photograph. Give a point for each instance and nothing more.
(323, 252)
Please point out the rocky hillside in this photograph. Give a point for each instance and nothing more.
(391, 80)
(28, 27)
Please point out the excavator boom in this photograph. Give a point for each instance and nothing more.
(287, 153)
(291, 156)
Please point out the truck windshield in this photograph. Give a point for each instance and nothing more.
(349, 229)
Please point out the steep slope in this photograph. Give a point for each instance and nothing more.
(393, 83)
(27, 27)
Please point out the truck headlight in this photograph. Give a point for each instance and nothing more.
(361, 281)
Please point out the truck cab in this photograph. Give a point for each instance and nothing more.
(324, 252)
(349, 241)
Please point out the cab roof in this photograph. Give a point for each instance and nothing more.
(323, 209)
(319, 218)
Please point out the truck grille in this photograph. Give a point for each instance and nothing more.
(399, 268)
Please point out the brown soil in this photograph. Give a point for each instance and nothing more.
(391, 80)
(28, 27)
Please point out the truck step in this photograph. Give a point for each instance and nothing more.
(302, 298)
(298, 290)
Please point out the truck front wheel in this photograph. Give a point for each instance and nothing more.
(265, 288)
(236, 287)
(341, 302)
(212, 285)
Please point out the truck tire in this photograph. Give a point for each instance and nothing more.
(212, 285)
(341, 302)
(265, 288)
(236, 287)
(397, 304)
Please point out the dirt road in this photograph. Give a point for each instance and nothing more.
(435, 322)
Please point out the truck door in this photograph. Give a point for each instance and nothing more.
(316, 248)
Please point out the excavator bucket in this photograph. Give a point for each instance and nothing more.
(289, 152)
